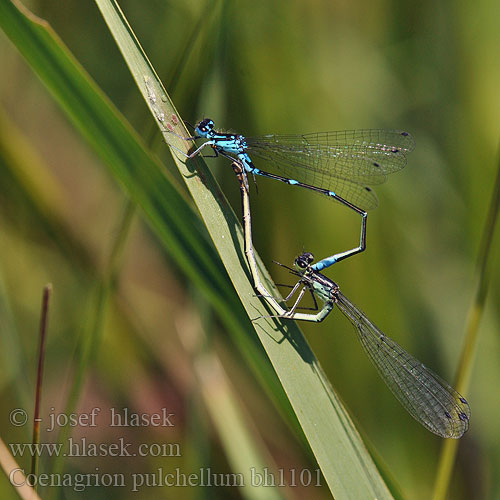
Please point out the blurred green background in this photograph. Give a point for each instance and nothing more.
(256, 68)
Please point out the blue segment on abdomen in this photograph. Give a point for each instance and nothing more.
(322, 264)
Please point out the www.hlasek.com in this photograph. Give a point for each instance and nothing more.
(203, 477)
(83, 448)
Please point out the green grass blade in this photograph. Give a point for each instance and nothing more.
(345, 462)
(100, 123)
(138, 172)
(484, 262)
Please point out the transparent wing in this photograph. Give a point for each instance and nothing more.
(427, 397)
(345, 162)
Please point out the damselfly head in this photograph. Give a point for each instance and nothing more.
(305, 260)
(204, 127)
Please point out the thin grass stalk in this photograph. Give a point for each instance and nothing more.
(91, 335)
(44, 318)
(465, 366)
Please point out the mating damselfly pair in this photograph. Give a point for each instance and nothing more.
(342, 166)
